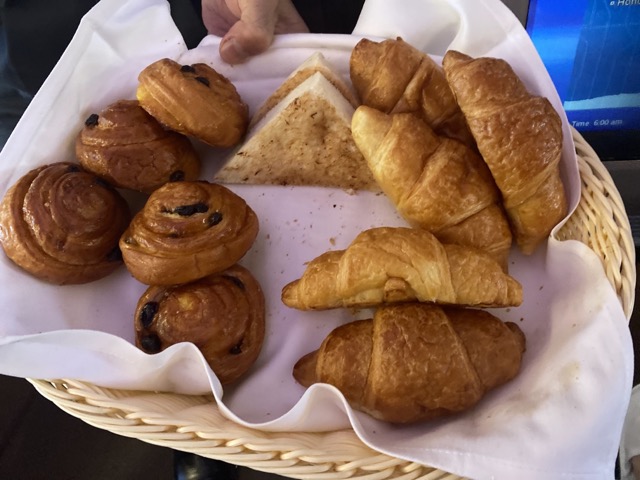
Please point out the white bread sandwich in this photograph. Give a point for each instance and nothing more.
(305, 139)
(315, 63)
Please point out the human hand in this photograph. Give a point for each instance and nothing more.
(248, 26)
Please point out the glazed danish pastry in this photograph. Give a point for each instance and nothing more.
(186, 231)
(222, 314)
(194, 100)
(130, 149)
(62, 224)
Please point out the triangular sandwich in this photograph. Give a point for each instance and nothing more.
(315, 63)
(305, 139)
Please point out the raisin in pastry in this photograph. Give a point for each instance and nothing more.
(62, 224)
(186, 231)
(194, 100)
(130, 149)
(222, 314)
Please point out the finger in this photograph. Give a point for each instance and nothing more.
(217, 16)
(253, 33)
(243, 42)
(289, 20)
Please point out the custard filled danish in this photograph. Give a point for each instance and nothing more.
(186, 231)
(222, 314)
(62, 224)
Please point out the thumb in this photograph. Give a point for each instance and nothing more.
(253, 33)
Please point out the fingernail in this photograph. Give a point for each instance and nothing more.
(231, 51)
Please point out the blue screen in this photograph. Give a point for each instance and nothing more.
(591, 49)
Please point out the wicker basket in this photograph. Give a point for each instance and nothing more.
(193, 424)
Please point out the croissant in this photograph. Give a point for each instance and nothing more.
(520, 138)
(127, 147)
(416, 362)
(399, 264)
(394, 77)
(222, 314)
(186, 231)
(435, 182)
(194, 100)
(62, 224)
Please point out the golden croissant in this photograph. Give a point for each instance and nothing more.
(416, 362)
(520, 138)
(434, 182)
(394, 77)
(398, 264)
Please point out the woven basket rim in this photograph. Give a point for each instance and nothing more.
(194, 424)
(600, 221)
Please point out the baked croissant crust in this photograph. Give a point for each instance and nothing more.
(130, 149)
(62, 224)
(520, 138)
(193, 100)
(394, 77)
(221, 314)
(398, 264)
(434, 182)
(416, 362)
(186, 231)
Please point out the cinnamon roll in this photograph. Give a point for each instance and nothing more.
(62, 224)
(186, 231)
(130, 149)
(222, 314)
(194, 100)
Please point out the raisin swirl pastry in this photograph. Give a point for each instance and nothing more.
(186, 231)
(62, 224)
(222, 314)
(130, 149)
(193, 100)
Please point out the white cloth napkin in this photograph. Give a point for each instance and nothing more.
(560, 418)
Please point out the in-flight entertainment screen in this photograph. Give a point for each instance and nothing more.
(591, 49)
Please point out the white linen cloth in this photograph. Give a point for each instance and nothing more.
(560, 418)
